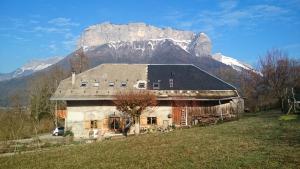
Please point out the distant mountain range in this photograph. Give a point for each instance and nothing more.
(30, 68)
(130, 43)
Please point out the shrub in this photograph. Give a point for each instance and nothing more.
(288, 117)
(68, 133)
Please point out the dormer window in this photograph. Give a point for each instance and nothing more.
(83, 84)
(171, 82)
(96, 84)
(141, 85)
(123, 84)
(111, 84)
(172, 74)
(155, 85)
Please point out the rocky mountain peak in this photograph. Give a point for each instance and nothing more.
(200, 45)
(99, 34)
(96, 35)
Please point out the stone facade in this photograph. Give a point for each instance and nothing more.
(79, 118)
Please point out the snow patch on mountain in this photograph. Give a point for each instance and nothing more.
(31, 67)
(234, 63)
(37, 65)
(146, 44)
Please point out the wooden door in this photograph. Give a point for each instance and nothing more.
(176, 114)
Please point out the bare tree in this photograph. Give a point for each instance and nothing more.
(79, 62)
(278, 72)
(267, 89)
(134, 103)
(42, 88)
(252, 89)
(16, 121)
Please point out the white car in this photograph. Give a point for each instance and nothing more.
(58, 131)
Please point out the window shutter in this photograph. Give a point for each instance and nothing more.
(87, 124)
(99, 124)
(105, 123)
(143, 120)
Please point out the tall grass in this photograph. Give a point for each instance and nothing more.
(19, 125)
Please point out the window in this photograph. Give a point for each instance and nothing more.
(172, 74)
(96, 84)
(171, 82)
(141, 85)
(155, 85)
(93, 124)
(123, 84)
(114, 123)
(111, 84)
(151, 120)
(83, 84)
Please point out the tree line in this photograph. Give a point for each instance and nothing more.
(266, 89)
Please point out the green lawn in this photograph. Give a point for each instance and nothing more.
(258, 140)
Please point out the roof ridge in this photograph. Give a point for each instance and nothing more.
(172, 64)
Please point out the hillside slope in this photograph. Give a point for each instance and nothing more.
(255, 141)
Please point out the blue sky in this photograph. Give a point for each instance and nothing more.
(245, 30)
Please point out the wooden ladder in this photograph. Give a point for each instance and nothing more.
(183, 118)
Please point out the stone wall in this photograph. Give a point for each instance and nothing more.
(79, 117)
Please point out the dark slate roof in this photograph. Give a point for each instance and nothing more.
(185, 77)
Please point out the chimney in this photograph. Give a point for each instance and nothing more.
(73, 78)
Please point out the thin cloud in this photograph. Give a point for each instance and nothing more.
(228, 16)
(294, 50)
(18, 38)
(52, 47)
(34, 21)
(50, 29)
(235, 17)
(178, 18)
(267, 11)
(12, 23)
(61, 26)
(70, 41)
(62, 22)
(228, 5)
(292, 46)
(174, 15)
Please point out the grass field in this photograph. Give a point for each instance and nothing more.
(260, 140)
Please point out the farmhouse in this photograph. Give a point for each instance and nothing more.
(186, 95)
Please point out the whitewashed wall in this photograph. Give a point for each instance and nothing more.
(78, 115)
(161, 112)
